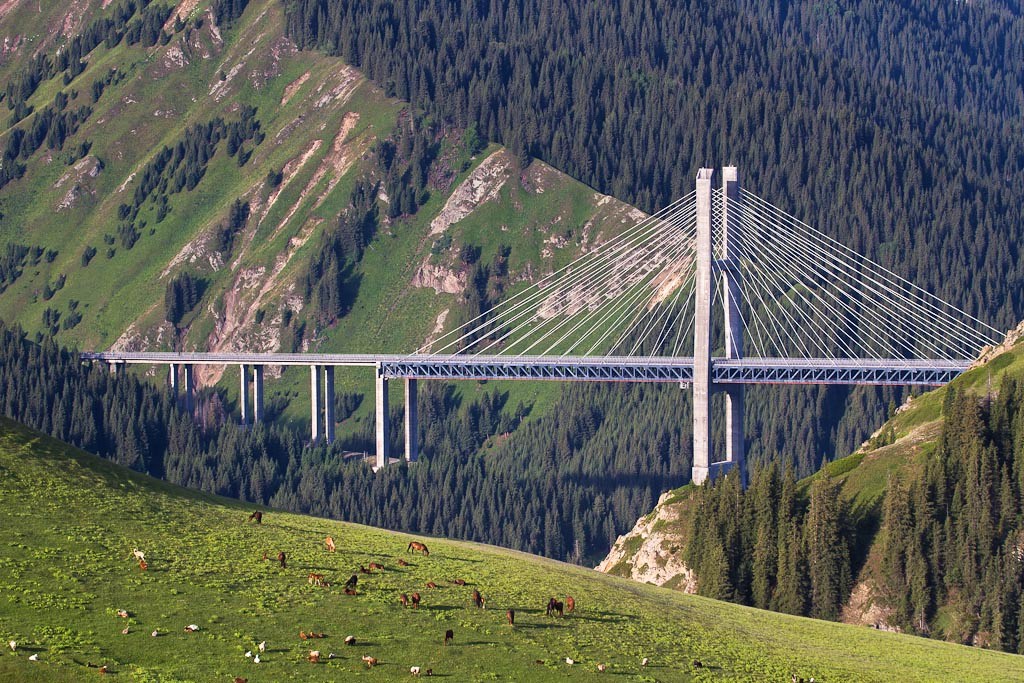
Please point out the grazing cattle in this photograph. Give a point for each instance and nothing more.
(697, 664)
(352, 581)
(459, 582)
(256, 517)
(302, 635)
(417, 547)
(431, 584)
(121, 613)
(239, 679)
(449, 636)
(350, 640)
(191, 628)
(329, 542)
(402, 563)
(415, 600)
(351, 591)
(570, 661)
(570, 604)
(142, 565)
(510, 615)
(602, 668)
(369, 661)
(645, 661)
(265, 557)
(314, 656)
(282, 559)
(404, 599)
(316, 579)
(477, 599)
(262, 647)
(555, 606)
(364, 570)
(139, 555)
(430, 672)
(376, 567)
(414, 670)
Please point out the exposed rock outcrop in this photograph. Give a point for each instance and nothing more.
(652, 551)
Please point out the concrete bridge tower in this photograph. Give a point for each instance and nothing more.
(727, 263)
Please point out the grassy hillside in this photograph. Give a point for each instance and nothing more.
(71, 521)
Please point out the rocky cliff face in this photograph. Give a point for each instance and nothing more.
(652, 551)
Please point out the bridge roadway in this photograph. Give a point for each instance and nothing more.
(876, 371)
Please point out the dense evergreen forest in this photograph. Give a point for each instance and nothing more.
(893, 126)
(952, 534)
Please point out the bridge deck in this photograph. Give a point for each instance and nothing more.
(876, 371)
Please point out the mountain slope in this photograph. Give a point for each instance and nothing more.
(71, 522)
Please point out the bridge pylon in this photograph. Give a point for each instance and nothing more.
(727, 263)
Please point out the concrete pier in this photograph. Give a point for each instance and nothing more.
(243, 394)
(412, 434)
(172, 380)
(257, 394)
(329, 403)
(188, 384)
(314, 400)
(702, 333)
(381, 413)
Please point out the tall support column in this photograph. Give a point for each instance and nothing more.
(314, 399)
(702, 333)
(188, 383)
(732, 286)
(243, 394)
(412, 433)
(329, 403)
(257, 394)
(382, 419)
(172, 380)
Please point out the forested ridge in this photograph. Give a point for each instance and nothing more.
(949, 534)
(893, 126)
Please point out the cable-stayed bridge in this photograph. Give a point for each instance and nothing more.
(719, 271)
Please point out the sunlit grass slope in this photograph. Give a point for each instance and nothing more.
(69, 523)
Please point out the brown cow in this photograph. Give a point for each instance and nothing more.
(431, 584)
(404, 599)
(257, 517)
(402, 563)
(364, 570)
(282, 559)
(376, 567)
(351, 591)
(511, 616)
(555, 606)
(415, 600)
(478, 599)
(314, 656)
(449, 636)
(459, 582)
(369, 661)
(570, 604)
(142, 565)
(417, 547)
(316, 579)
(329, 542)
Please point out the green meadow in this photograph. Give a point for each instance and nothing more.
(69, 523)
